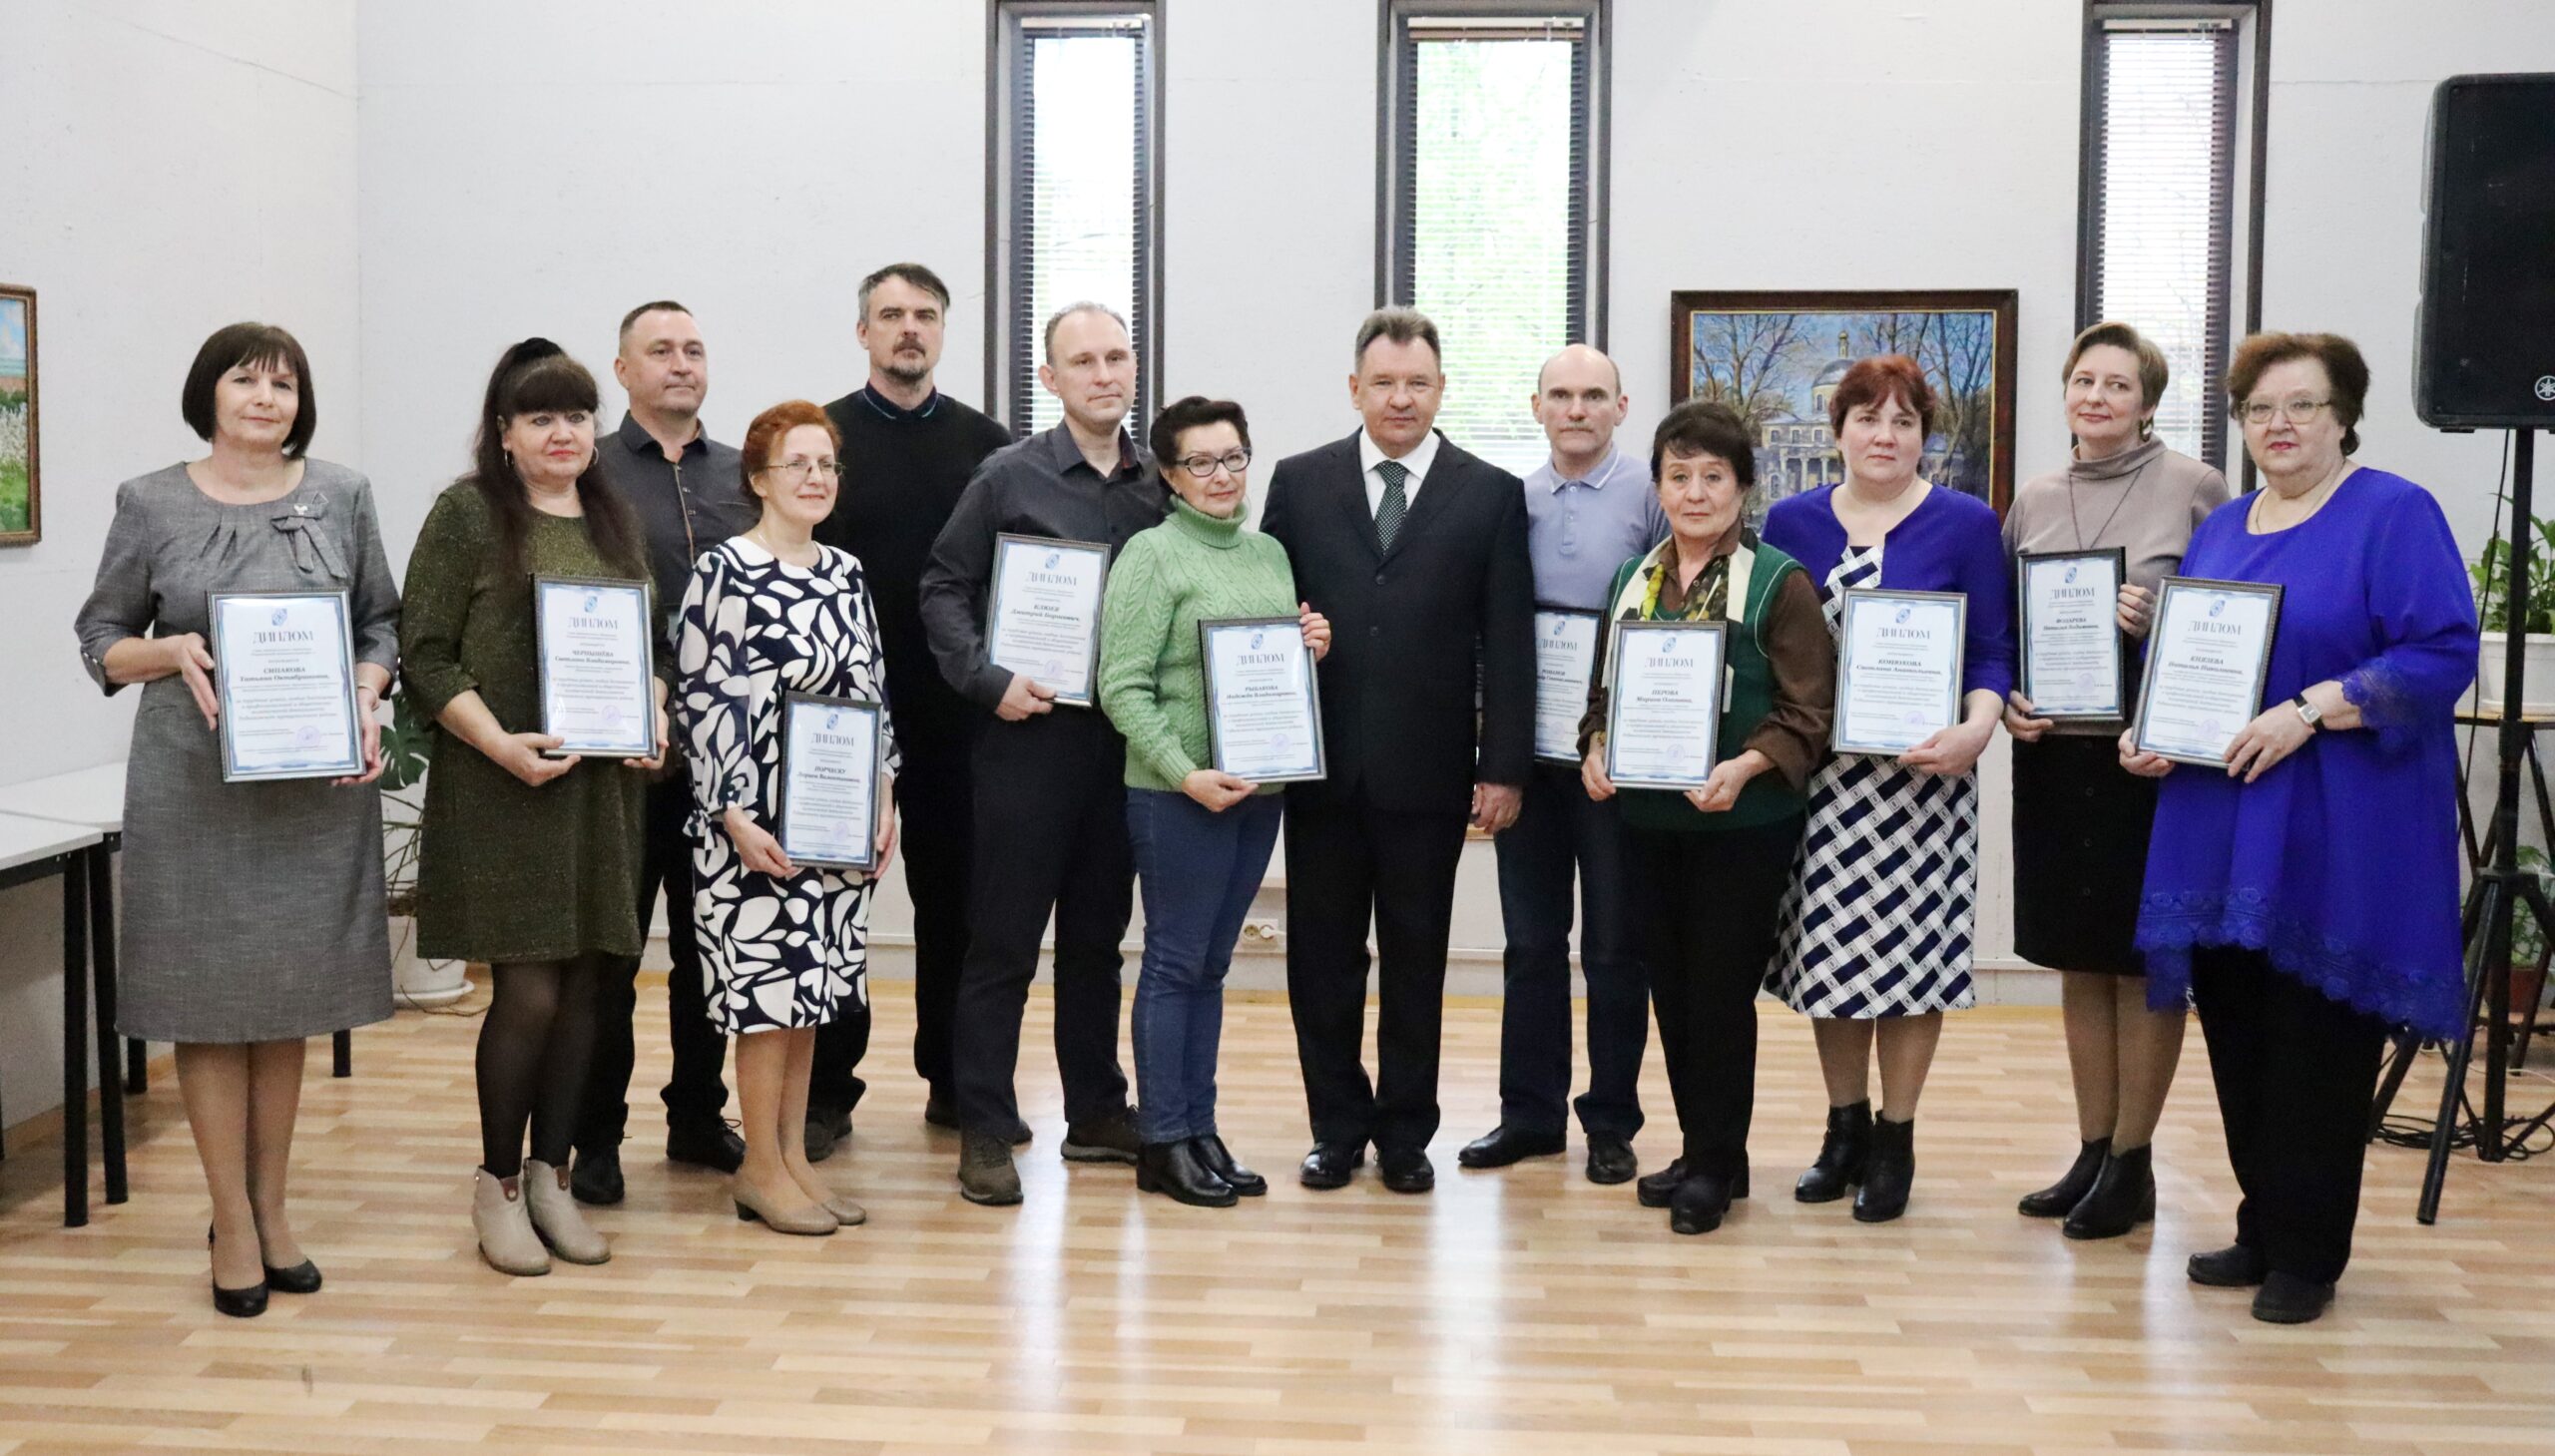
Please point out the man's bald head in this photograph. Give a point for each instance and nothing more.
(1579, 357)
(1579, 400)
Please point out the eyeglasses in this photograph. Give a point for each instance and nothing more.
(2297, 412)
(1202, 467)
(798, 471)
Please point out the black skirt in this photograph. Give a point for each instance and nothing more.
(2080, 854)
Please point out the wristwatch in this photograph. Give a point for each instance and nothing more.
(2314, 716)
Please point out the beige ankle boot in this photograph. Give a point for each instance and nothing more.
(556, 1217)
(506, 1239)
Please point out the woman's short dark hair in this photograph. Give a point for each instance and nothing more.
(2342, 365)
(764, 437)
(1705, 427)
(1188, 414)
(536, 377)
(1879, 379)
(261, 344)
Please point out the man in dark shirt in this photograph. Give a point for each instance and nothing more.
(684, 488)
(907, 453)
(1050, 780)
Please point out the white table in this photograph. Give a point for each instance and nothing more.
(32, 850)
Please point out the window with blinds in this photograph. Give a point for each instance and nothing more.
(1491, 214)
(1076, 162)
(2161, 118)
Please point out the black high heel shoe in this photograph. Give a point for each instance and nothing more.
(245, 1304)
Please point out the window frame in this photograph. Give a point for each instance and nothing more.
(2246, 152)
(1394, 145)
(1011, 348)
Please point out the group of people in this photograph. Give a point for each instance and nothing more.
(2304, 898)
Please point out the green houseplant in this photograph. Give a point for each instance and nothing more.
(2492, 573)
(407, 741)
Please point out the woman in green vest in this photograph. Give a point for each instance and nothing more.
(1710, 864)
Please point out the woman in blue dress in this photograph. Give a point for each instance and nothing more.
(2306, 897)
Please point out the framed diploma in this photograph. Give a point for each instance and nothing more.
(1042, 620)
(1663, 702)
(2207, 656)
(1565, 659)
(590, 638)
(833, 758)
(2074, 669)
(284, 670)
(1899, 663)
(1264, 705)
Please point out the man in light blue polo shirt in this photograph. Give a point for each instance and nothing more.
(1589, 508)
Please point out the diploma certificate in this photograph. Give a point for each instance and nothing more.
(2072, 662)
(2206, 659)
(1565, 659)
(1899, 664)
(1263, 707)
(1663, 702)
(832, 759)
(284, 667)
(1043, 619)
(593, 643)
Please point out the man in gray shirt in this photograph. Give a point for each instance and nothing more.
(686, 489)
(1589, 508)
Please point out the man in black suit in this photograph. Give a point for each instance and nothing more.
(1416, 552)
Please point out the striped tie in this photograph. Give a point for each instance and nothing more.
(1395, 503)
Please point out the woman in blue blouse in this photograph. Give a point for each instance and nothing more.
(1875, 940)
(2306, 897)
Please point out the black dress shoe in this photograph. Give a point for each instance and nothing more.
(1174, 1170)
(1405, 1169)
(2123, 1196)
(1504, 1145)
(1658, 1190)
(2232, 1267)
(712, 1146)
(1110, 1138)
(1611, 1159)
(245, 1304)
(301, 1278)
(827, 1133)
(1330, 1164)
(2061, 1198)
(596, 1177)
(1701, 1202)
(2284, 1298)
(1839, 1164)
(1219, 1158)
(1888, 1172)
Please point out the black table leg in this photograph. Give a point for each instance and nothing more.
(75, 1041)
(102, 957)
(342, 1054)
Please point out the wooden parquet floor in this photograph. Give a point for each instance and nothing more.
(1520, 1311)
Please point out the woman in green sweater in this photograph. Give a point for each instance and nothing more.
(1710, 865)
(1202, 837)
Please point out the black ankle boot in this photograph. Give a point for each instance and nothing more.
(1701, 1202)
(2121, 1198)
(1842, 1154)
(1173, 1168)
(2062, 1196)
(1888, 1174)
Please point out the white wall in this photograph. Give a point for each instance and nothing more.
(169, 168)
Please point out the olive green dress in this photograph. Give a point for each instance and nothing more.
(507, 871)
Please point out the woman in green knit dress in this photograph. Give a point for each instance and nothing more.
(1710, 865)
(1202, 837)
(528, 863)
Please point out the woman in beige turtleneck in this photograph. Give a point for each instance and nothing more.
(2080, 820)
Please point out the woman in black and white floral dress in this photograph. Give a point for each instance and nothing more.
(783, 948)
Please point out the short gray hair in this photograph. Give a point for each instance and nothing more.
(1402, 326)
(1084, 306)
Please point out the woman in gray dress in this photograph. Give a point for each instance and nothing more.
(253, 915)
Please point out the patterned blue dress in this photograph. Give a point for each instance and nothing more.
(773, 953)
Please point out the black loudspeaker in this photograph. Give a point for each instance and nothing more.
(2484, 352)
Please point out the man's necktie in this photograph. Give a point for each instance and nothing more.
(1395, 504)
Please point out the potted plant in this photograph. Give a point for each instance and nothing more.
(407, 742)
(2492, 573)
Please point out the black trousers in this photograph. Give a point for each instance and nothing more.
(1051, 822)
(1348, 861)
(935, 844)
(1709, 903)
(1562, 835)
(2296, 1073)
(695, 1095)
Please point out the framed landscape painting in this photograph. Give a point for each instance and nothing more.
(21, 501)
(1775, 357)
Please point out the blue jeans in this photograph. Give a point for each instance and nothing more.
(1199, 870)
(1560, 828)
